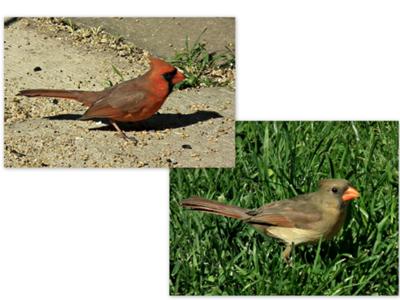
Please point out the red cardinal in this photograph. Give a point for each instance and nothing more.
(133, 100)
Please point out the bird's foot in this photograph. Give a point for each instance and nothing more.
(286, 254)
(123, 134)
(129, 139)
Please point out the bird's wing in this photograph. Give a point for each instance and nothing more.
(298, 212)
(124, 98)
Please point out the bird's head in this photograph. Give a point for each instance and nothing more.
(168, 71)
(339, 188)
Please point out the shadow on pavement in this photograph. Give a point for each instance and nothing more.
(157, 122)
(64, 117)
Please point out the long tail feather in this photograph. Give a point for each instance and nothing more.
(85, 97)
(214, 207)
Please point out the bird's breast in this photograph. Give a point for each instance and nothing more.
(293, 235)
(332, 221)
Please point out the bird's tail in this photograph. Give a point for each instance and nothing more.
(85, 97)
(214, 207)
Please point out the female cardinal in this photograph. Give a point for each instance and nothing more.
(133, 100)
(302, 219)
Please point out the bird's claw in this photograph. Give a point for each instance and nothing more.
(130, 139)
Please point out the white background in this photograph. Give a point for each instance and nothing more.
(103, 234)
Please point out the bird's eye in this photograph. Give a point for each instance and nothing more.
(334, 189)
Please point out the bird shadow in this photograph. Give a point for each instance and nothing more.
(156, 122)
(64, 117)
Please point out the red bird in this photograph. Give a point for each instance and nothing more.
(133, 100)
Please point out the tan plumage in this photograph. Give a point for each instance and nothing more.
(302, 219)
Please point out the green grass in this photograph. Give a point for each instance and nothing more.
(203, 68)
(212, 255)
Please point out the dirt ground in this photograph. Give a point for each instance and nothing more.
(194, 128)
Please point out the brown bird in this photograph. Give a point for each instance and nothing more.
(133, 100)
(302, 219)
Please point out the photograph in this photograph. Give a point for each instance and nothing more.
(119, 92)
(159, 149)
(311, 208)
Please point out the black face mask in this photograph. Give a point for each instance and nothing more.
(168, 77)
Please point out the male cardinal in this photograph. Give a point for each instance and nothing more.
(302, 219)
(133, 100)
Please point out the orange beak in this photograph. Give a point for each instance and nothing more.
(350, 194)
(178, 77)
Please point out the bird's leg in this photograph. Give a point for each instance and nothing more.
(286, 252)
(122, 133)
